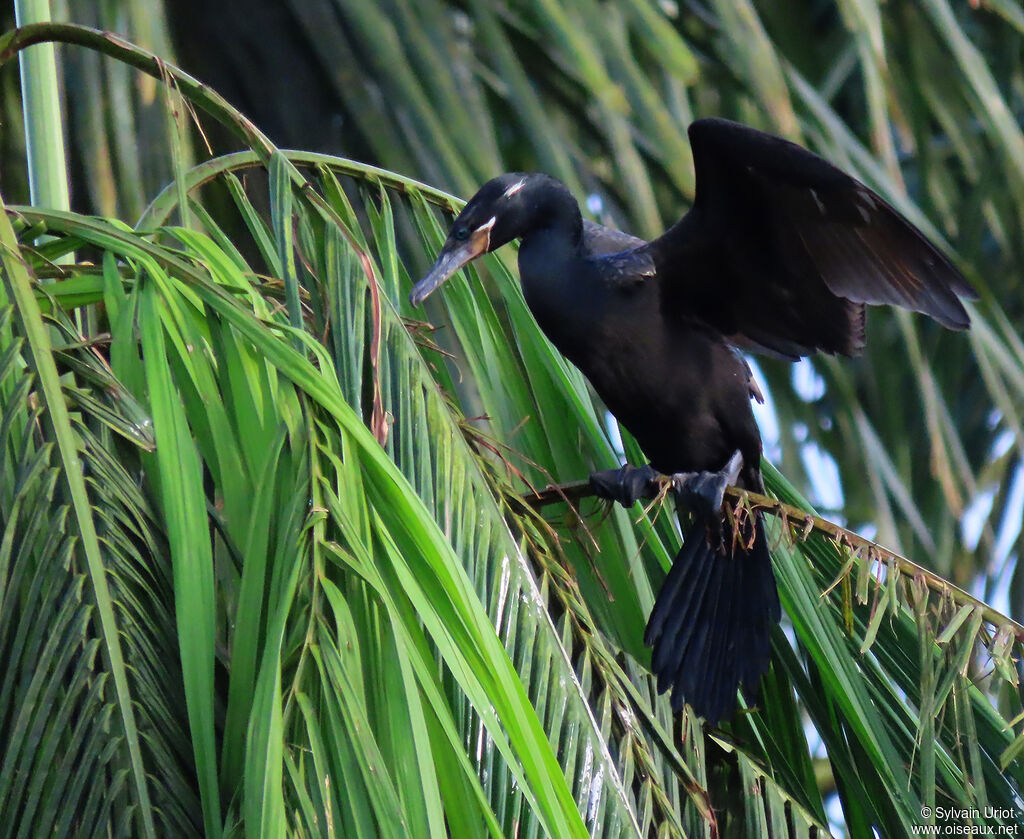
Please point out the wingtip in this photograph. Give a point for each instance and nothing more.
(965, 290)
(706, 125)
(958, 325)
(952, 314)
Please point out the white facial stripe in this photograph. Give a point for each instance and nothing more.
(512, 190)
(486, 230)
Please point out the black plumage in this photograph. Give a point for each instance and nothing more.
(779, 253)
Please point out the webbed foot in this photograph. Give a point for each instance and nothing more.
(704, 492)
(626, 485)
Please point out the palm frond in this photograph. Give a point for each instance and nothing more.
(334, 505)
(85, 732)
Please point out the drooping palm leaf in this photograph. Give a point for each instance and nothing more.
(89, 682)
(378, 584)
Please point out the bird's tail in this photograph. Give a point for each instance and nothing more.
(711, 624)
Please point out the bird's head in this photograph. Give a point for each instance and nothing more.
(500, 211)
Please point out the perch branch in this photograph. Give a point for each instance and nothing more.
(803, 523)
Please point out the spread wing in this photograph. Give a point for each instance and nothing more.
(781, 250)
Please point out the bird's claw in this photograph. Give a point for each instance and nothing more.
(704, 492)
(626, 485)
(701, 492)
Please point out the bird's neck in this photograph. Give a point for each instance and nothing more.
(552, 214)
(549, 263)
(550, 252)
(552, 232)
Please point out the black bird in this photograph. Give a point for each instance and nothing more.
(779, 253)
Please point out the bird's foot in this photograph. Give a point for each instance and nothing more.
(626, 485)
(704, 492)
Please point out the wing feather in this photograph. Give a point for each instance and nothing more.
(782, 250)
(599, 240)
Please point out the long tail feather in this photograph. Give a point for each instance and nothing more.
(710, 626)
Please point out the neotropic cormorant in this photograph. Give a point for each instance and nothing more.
(779, 253)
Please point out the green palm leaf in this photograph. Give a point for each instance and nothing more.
(376, 634)
(79, 591)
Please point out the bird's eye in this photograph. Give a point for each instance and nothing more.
(460, 234)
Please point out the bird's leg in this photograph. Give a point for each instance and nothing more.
(626, 485)
(704, 492)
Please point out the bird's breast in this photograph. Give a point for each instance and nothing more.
(669, 388)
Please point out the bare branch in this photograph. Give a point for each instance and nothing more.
(800, 525)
